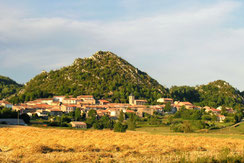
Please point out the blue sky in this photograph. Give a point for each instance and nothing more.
(177, 42)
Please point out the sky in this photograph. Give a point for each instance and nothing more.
(190, 42)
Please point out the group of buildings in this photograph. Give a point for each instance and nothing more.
(61, 104)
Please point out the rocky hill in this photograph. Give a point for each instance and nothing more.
(219, 93)
(8, 87)
(104, 75)
(213, 94)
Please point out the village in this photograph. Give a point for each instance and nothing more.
(58, 105)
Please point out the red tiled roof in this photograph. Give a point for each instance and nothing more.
(57, 110)
(85, 96)
(129, 111)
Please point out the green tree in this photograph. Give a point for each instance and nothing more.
(107, 122)
(121, 116)
(77, 114)
(168, 107)
(119, 127)
(25, 117)
(131, 122)
(98, 125)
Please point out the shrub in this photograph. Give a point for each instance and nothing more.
(185, 127)
(119, 127)
(25, 117)
(97, 125)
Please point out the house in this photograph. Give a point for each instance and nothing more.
(55, 103)
(70, 101)
(58, 98)
(165, 100)
(228, 110)
(101, 113)
(140, 111)
(128, 111)
(117, 105)
(187, 105)
(68, 108)
(140, 102)
(55, 112)
(103, 102)
(48, 101)
(87, 99)
(42, 113)
(114, 112)
(133, 101)
(94, 107)
(24, 109)
(221, 118)
(38, 101)
(6, 104)
(213, 110)
(77, 124)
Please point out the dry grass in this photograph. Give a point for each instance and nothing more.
(29, 144)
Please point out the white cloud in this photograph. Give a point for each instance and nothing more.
(187, 47)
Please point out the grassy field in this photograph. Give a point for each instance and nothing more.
(30, 144)
(228, 132)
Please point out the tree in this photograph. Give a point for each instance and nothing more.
(186, 126)
(168, 107)
(92, 113)
(119, 127)
(92, 118)
(25, 117)
(224, 111)
(170, 119)
(238, 117)
(153, 120)
(131, 122)
(206, 118)
(98, 125)
(77, 114)
(121, 116)
(107, 122)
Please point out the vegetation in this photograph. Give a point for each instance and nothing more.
(8, 87)
(58, 145)
(214, 94)
(7, 113)
(104, 75)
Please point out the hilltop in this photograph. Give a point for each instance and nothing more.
(104, 75)
(213, 94)
(8, 87)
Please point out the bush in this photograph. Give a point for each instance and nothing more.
(199, 124)
(206, 118)
(229, 119)
(53, 124)
(25, 117)
(97, 125)
(119, 127)
(185, 127)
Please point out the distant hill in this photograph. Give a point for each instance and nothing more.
(8, 87)
(213, 94)
(104, 75)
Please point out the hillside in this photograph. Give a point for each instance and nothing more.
(105, 75)
(8, 87)
(213, 94)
